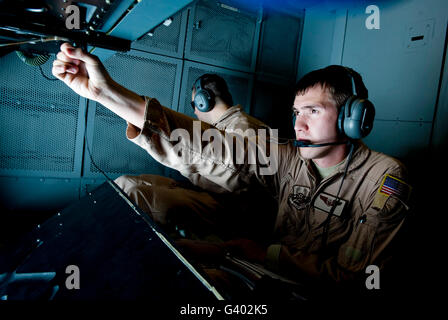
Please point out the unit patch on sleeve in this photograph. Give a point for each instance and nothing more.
(391, 186)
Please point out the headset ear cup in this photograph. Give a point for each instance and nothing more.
(355, 119)
(349, 125)
(358, 121)
(202, 101)
(341, 118)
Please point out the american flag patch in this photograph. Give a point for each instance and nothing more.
(396, 187)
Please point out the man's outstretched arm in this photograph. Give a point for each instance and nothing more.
(85, 74)
(152, 126)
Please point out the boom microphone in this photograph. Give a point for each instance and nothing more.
(306, 144)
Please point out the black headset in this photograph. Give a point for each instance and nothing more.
(355, 119)
(204, 99)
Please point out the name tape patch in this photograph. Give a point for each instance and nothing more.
(325, 202)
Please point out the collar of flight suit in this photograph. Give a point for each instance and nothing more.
(360, 154)
(227, 113)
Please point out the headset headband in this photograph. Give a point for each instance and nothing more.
(356, 83)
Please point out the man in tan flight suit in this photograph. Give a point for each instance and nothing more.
(369, 201)
(369, 211)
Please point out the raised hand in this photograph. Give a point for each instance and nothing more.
(85, 74)
(82, 72)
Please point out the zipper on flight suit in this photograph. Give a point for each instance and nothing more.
(323, 184)
(314, 195)
(314, 191)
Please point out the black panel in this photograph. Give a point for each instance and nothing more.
(272, 104)
(118, 254)
(278, 52)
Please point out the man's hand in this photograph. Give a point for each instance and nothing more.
(207, 251)
(201, 250)
(82, 72)
(85, 74)
(246, 249)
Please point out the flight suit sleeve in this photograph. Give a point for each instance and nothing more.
(372, 233)
(184, 144)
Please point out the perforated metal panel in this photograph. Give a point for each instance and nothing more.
(279, 45)
(240, 85)
(39, 122)
(168, 40)
(145, 74)
(223, 35)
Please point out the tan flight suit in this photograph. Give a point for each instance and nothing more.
(171, 202)
(365, 220)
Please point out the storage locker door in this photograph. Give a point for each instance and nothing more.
(279, 48)
(223, 35)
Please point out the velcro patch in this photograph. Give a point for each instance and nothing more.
(299, 197)
(353, 254)
(391, 186)
(325, 202)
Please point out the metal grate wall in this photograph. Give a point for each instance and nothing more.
(166, 40)
(146, 74)
(39, 121)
